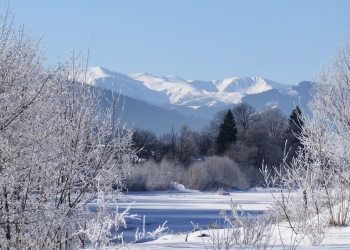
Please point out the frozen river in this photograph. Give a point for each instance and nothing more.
(180, 208)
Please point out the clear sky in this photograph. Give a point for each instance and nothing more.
(284, 41)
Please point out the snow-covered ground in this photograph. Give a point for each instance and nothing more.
(182, 206)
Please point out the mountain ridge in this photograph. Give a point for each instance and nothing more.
(200, 98)
(177, 91)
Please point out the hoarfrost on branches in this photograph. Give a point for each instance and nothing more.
(58, 151)
(315, 186)
(157, 233)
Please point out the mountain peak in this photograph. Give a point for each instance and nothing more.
(177, 91)
(247, 85)
(140, 75)
(99, 72)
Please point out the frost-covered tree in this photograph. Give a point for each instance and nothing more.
(320, 173)
(58, 152)
(275, 122)
(186, 145)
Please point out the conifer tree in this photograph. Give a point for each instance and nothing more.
(295, 126)
(227, 133)
(292, 133)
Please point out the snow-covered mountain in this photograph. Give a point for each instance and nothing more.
(196, 97)
(139, 114)
(177, 91)
(104, 78)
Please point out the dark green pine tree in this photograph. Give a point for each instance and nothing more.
(227, 133)
(295, 125)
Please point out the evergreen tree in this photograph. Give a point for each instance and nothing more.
(227, 133)
(295, 125)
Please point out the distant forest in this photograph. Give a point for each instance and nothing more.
(228, 153)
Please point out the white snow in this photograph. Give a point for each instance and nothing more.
(175, 90)
(289, 91)
(182, 206)
(194, 107)
(126, 85)
(246, 85)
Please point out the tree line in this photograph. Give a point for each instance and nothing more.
(243, 135)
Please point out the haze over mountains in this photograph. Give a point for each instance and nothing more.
(193, 102)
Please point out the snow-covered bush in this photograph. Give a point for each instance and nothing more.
(149, 236)
(211, 174)
(198, 177)
(58, 149)
(214, 173)
(152, 176)
(241, 231)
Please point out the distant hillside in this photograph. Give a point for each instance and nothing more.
(139, 114)
(285, 99)
(157, 103)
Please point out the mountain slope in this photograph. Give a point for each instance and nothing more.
(138, 114)
(177, 91)
(106, 79)
(285, 99)
(195, 98)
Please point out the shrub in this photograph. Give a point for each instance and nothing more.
(152, 176)
(216, 172)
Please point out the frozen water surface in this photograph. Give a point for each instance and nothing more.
(181, 207)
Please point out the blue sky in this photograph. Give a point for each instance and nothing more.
(284, 41)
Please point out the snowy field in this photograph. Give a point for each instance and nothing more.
(182, 206)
